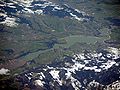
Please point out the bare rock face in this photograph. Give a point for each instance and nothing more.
(114, 86)
(97, 86)
(26, 87)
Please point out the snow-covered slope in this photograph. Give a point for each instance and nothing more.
(12, 8)
(78, 72)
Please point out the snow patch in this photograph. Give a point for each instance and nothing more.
(27, 10)
(9, 22)
(114, 51)
(4, 71)
(55, 74)
(39, 12)
(39, 82)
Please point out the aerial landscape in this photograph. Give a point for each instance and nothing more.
(59, 45)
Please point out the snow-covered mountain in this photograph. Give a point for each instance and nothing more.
(11, 9)
(84, 71)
